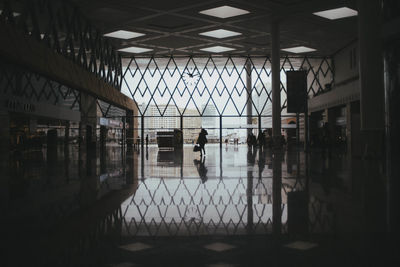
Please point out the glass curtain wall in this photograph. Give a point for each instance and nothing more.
(190, 93)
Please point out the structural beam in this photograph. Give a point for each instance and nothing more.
(249, 107)
(372, 114)
(24, 50)
(276, 92)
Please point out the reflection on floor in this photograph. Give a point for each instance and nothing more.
(237, 206)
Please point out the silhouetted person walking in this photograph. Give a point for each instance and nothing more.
(202, 140)
(261, 139)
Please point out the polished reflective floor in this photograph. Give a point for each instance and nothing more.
(236, 206)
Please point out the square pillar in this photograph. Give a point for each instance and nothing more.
(89, 116)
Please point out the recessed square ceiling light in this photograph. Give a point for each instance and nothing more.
(337, 13)
(217, 49)
(134, 49)
(121, 34)
(224, 12)
(299, 49)
(220, 33)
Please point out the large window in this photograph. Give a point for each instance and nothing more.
(210, 88)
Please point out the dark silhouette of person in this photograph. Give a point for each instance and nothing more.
(251, 140)
(261, 139)
(261, 162)
(202, 140)
(147, 140)
(137, 142)
(268, 135)
(251, 156)
(201, 169)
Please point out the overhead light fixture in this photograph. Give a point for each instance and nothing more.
(134, 49)
(121, 34)
(337, 13)
(217, 49)
(299, 49)
(224, 12)
(220, 33)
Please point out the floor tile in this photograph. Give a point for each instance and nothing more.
(301, 245)
(220, 264)
(219, 247)
(135, 246)
(123, 264)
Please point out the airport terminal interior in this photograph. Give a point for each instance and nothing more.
(199, 133)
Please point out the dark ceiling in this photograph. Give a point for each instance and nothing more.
(173, 27)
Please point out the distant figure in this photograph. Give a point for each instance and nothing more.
(202, 140)
(236, 141)
(283, 140)
(251, 139)
(147, 140)
(138, 142)
(269, 137)
(261, 139)
(226, 142)
(251, 156)
(261, 162)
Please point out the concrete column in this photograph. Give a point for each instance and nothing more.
(220, 131)
(371, 76)
(392, 98)
(372, 114)
(277, 194)
(249, 107)
(276, 92)
(142, 132)
(4, 132)
(82, 139)
(348, 127)
(297, 129)
(103, 136)
(89, 115)
(306, 129)
(66, 133)
(249, 194)
(123, 141)
(331, 120)
(4, 158)
(130, 129)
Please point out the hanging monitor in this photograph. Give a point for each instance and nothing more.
(296, 85)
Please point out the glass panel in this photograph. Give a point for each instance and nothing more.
(192, 85)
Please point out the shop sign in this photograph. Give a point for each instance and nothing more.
(110, 122)
(18, 106)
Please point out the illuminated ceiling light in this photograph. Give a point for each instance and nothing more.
(121, 34)
(299, 49)
(224, 12)
(337, 13)
(220, 33)
(134, 49)
(217, 49)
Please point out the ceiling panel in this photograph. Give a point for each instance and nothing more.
(174, 26)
